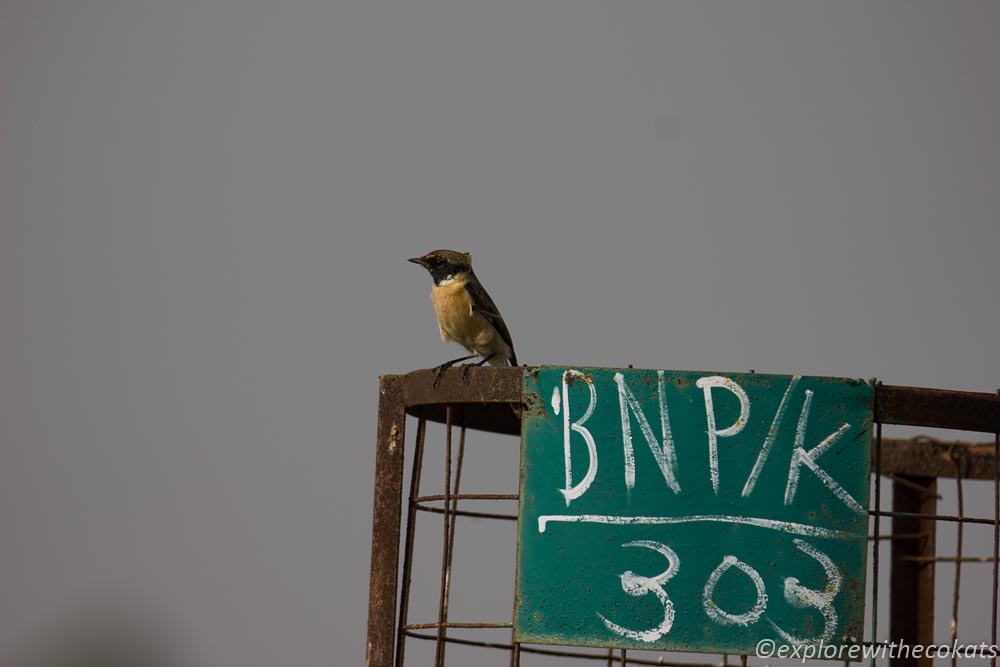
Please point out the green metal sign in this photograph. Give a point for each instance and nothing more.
(674, 510)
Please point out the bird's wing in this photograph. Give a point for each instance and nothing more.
(482, 302)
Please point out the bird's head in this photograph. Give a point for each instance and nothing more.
(443, 264)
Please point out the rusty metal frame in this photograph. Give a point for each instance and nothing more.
(386, 521)
(486, 396)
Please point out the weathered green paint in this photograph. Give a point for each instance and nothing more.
(667, 554)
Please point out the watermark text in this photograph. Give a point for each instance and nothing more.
(770, 648)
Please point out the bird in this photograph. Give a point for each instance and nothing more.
(465, 312)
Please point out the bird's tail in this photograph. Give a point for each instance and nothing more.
(504, 360)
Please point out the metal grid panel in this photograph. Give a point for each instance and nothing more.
(482, 400)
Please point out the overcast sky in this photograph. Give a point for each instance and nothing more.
(206, 207)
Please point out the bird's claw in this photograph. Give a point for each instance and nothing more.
(438, 372)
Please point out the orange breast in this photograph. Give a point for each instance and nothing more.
(456, 318)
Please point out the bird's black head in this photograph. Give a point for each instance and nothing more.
(443, 264)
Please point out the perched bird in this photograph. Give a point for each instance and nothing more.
(465, 312)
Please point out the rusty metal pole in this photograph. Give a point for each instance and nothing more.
(386, 523)
(911, 580)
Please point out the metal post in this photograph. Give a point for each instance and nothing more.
(386, 523)
(911, 582)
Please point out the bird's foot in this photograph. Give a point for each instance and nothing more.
(482, 362)
(438, 372)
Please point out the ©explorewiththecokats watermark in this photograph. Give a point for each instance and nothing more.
(769, 648)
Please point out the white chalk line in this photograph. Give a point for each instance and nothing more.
(773, 524)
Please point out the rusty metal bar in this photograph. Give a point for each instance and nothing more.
(933, 517)
(453, 522)
(939, 408)
(439, 648)
(957, 585)
(478, 515)
(911, 585)
(455, 624)
(385, 523)
(459, 640)
(483, 384)
(468, 496)
(877, 541)
(904, 481)
(927, 457)
(411, 526)
(493, 386)
(949, 559)
(454, 502)
(911, 536)
(538, 650)
(494, 389)
(996, 536)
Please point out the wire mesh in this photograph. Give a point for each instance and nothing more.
(481, 403)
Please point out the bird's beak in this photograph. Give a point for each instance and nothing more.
(417, 260)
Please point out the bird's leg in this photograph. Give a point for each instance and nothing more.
(465, 369)
(439, 370)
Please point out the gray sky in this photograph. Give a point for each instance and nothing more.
(205, 208)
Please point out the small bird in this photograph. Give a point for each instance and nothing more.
(465, 312)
